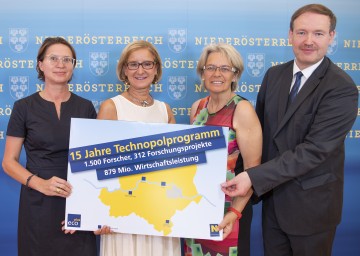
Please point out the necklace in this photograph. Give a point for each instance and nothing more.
(212, 108)
(144, 103)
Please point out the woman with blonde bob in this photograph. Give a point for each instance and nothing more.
(139, 67)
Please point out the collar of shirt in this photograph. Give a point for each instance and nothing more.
(306, 72)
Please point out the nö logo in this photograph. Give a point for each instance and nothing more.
(74, 220)
(214, 230)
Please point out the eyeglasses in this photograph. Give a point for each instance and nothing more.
(54, 59)
(223, 69)
(136, 65)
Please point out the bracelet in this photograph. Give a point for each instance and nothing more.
(29, 178)
(238, 214)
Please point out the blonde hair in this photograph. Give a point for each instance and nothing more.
(132, 47)
(230, 53)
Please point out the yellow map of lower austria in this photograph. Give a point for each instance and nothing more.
(153, 196)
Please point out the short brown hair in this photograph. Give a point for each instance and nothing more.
(314, 8)
(42, 52)
(132, 47)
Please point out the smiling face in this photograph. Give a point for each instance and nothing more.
(57, 72)
(218, 81)
(141, 78)
(310, 38)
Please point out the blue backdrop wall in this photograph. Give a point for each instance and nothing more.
(99, 30)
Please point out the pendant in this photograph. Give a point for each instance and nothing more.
(144, 103)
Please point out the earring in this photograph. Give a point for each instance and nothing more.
(155, 81)
(126, 85)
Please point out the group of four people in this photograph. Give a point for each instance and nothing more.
(290, 155)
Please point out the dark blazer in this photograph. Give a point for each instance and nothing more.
(303, 146)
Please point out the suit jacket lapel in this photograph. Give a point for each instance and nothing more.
(309, 86)
(284, 92)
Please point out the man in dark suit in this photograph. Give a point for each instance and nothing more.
(302, 176)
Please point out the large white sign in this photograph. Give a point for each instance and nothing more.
(154, 179)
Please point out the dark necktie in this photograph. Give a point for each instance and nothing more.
(295, 89)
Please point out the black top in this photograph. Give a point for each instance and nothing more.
(46, 142)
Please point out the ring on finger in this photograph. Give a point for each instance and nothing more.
(58, 190)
